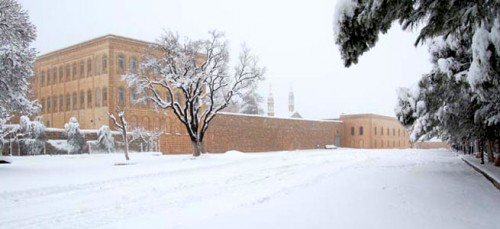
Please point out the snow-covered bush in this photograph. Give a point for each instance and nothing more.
(105, 138)
(74, 137)
(31, 136)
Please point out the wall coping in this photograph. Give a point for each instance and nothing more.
(282, 118)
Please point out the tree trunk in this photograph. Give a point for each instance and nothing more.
(481, 150)
(197, 148)
(125, 141)
(491, 157)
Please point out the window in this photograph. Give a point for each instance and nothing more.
(104, 64)
(68, 102)
(82, 69)
(393, 132)
(61, 74)
(375, 130)
(121, 96)
(89, 99)
(146, 123)
(54, 75)
(381, 131)
(68, 71)
(133, 98)
(96, 66)
(399, 132)
(42, 103)
(54, 104)
(75, 101)
(104, 96)
(98, 97)
(42, 81)
(74, 71)
(48, 104)
(360, 130)
(388, 134)
(61, 103)
(89, 67)
(156, 123)
(82, 100)
(121, 62)
(352, 131)
(133, 64)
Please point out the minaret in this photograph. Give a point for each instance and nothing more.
(291, 106)
(270, 102)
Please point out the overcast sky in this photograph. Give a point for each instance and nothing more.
(293, 39)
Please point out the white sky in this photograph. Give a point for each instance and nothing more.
(293, 39)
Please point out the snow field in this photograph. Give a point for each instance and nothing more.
(299, 189)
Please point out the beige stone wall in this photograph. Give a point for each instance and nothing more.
(379, 132)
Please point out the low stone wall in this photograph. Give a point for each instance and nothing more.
(431, 145)
(248, 133)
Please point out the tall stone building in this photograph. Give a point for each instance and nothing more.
(85, 81)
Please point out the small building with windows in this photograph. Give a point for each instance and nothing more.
(371, 131)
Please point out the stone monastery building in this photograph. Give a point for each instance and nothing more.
(85, 81)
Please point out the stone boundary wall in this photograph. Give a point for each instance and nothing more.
(248, 133)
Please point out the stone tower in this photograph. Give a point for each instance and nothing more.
(270, 102)
(291, 106)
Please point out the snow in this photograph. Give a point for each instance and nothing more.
(59, 144)
(343, 188)
(488, 168)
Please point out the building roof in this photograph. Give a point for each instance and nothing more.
(94, 40)
(367, 115)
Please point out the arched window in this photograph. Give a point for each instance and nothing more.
(104, 64)
(145, 123)
(121, 96)
(96, 66)
(68, 102)
(393, 132)
(375, 130)
(133, 65)
(134, 122)
(61, 74)
(89, 67)
(54, 104)
(82, 69)
(352, 131)
(360, 130)
(399, 132)
(89, 99)
(156, 123)
(75, 101)
(61, 103)
(74, 71)
(104, 96)
(68, 75)
(42, 81)
(120, 62)
(82, 100)
(42, 103)
(54, 75)
(98, 97)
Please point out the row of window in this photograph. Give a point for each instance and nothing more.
(375, 131)
(70, 72)
(69, 102)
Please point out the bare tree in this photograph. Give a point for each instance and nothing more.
(150, 137)
(192, 78)
(122, 126)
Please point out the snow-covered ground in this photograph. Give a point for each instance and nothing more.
(343, 188)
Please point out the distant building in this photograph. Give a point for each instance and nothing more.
(270, 103)
(373, 131)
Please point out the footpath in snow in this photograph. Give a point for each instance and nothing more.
(343, 188)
